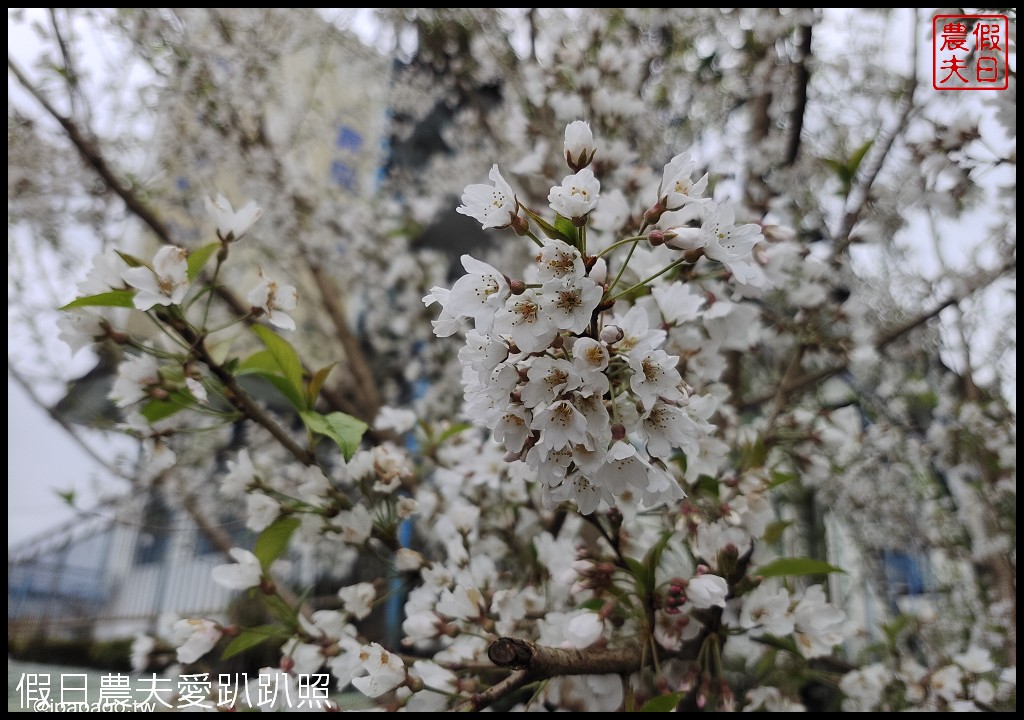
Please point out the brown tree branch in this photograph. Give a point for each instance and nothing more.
(533, 663)
(842, 239)
(803, 79)
(236, 394)
(365, 386)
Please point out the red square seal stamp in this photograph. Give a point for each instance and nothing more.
(970, 52)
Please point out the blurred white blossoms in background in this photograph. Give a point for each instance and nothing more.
(386, 671)
(194, 637)
(244, 573)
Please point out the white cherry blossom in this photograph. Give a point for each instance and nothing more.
(166, 284)
(493, 206)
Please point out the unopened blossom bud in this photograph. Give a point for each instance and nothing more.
(516, 287)
(660, 237)
(611, 334)
(654, 213)
(557, 342)
(683, 238)
(287, 663)
(618, 431)
(599, 272)
(579, 145)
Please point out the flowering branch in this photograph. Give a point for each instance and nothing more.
(533, 663)
(236, 395)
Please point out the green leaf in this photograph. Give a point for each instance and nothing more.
(156, 410)
(550, 230)
(639, 573)
(287, 361)
(774, 531)
(261, 362)
(316, 382)
(653, 557)
(114, 298)
(250, 638)
(663, 703)
(132, 260)
(893, 629)
(273, 541)
(198, 258)
(567, 229)
(754, 454)
(343, 429)
(264, 364)
(796, 566)
(853, 164)
(281, 610)
(593, 604)
(780, 478)
(787, 644)
(453, 430)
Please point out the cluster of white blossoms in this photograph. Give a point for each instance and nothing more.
(582, 393)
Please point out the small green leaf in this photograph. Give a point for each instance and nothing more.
(453, 430)
(663, 703)
(316, 382)
(281, 610)
(261, 362)
(754, 454)
(114, 298)
(250, 638)
(787, 644)
(853, 164)
(156, 410)
(567, 229)
(264, 364)
(593, 604)
(780, 478)
(639, 573)
(774, 530)
(653, 557)
(287, 359)
(796, 566)
(131, 260)
(343, 429)
(198, 258)
(550, 230)
(273, 541)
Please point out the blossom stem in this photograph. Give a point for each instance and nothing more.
(622, 268)
(643, 282)
(530, 234)
(619, 243)
(213, 284)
